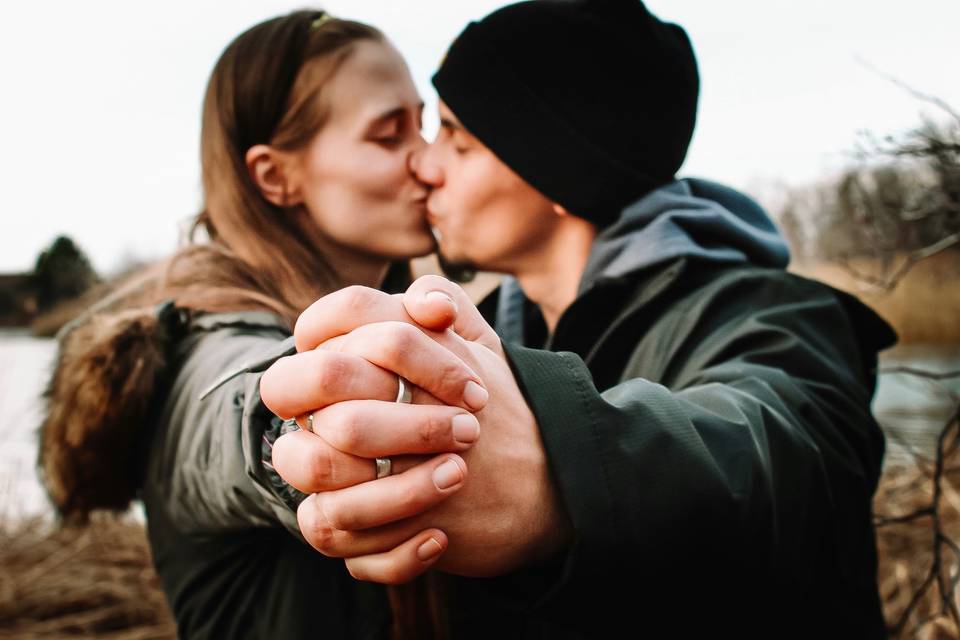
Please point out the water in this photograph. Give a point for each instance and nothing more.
(911, 410)
(25, 364)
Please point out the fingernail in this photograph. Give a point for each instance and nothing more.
(475, 396)
(440, 295)
(447, 475)
(429, 550)
(466, 429)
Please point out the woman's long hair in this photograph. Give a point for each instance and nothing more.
(267, 87)
(244, 253)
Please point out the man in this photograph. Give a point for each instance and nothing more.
(674, 433)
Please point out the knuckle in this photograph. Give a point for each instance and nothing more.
(399, 339)
(356, 301)
(336, 518)
(451, 373)
(345, 429)
(410, 502)
(434, 429)
(316, 530)
(321, 467)
(330, 374)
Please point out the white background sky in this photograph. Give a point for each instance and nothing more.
(100, 100)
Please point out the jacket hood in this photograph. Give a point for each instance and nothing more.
(686, 218)
(100, 395)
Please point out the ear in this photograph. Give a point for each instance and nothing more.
(272, 171)
(560, 210)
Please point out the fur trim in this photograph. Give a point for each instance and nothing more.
(98, 399)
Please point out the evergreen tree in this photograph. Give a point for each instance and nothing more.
(62, 272)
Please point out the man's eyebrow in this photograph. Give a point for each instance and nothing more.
(453, 125)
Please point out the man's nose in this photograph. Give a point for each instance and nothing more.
(423, 166)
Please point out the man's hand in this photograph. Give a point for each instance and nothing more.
(507, 515)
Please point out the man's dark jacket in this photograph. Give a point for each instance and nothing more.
(706, 419)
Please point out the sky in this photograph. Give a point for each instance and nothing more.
(100, 109)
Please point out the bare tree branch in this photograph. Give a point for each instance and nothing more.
(889, 282)
(919, 95)
(946, 592)
(924, 373)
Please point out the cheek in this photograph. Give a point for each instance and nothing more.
(356, 191)
(366, 177)
(466, 194)
(385, 170)
(486, 198)
(495, 217)
(362, 199)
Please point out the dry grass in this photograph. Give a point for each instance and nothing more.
(906, 549)
(924, 307)
(46, 325)
(99, 581)
(73, 582)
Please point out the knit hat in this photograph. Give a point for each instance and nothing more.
(592, 102)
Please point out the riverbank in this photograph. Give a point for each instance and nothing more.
(97, 581)
(924, 307)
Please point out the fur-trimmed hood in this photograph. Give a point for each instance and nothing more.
(108, 366)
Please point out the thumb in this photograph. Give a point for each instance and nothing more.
(436, 303)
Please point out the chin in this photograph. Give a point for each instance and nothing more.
(415, 246)
(456, 268)
(450, 253)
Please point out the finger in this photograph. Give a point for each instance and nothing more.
(395, 497)
(402, 564)
(435, 303)
(342, 311)
(374, 429)
(407, 350)
(310, 464)
(335, 543)
(303, 382)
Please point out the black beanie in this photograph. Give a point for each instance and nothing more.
(592, 102)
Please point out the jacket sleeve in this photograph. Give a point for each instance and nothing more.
(753, 454)
(206, 464)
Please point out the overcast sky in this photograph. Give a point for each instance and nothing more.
(100, 109)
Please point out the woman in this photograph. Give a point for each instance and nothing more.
(309, 123)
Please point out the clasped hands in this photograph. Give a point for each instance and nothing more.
(470, 492)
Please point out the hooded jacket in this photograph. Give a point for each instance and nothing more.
(705, 416)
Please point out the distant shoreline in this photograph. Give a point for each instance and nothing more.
(923, 308)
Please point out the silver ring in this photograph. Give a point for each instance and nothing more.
(404, 394)
(308, 419)
(385, 465)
